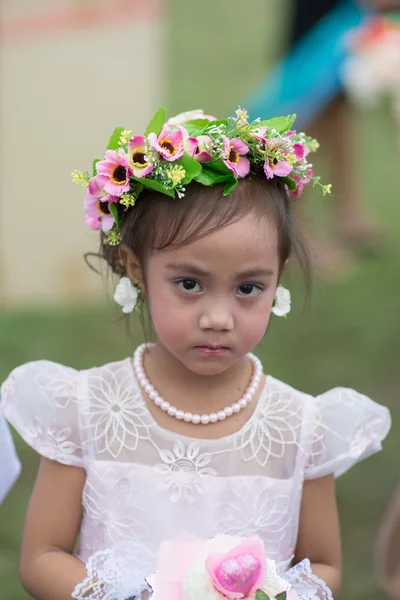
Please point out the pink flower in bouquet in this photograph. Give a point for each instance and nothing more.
(169, 144)
(234, 151)
(114, 173)
(225, 567)
(240, 572)
(138, 160)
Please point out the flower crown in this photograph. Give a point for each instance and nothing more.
(192, 147)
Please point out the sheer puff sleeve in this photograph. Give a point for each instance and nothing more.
(40, 400)
(344, 428)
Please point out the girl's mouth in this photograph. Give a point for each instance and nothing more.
(213, 350)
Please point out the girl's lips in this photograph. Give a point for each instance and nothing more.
(213, 349)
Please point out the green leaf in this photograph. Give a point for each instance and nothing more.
(113, 143)
(229, 186)
(280, 124)
(152, 184)
(157, 122)
(260, 595)
(96, 160)
(136, 188)
(210, 177)
(281, 596)
(212, 124)
(191, 166)
(196, 127)
(114, 212)
(292, 185)
(219, 165)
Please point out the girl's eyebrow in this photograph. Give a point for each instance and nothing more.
(185, 267)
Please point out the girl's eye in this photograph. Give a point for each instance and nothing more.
(188, 285)
(249, 289)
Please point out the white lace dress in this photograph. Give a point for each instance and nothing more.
(145, 484)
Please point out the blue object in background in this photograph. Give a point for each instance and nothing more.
(308, 77)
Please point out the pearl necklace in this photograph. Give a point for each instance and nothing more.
(205, 419)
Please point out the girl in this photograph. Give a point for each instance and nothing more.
(190, 434)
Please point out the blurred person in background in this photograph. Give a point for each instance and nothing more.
(307, 82)
(389, 549)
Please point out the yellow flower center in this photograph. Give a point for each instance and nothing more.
(119, 175)
(138, 159)
(167, 145)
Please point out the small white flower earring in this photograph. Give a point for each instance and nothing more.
(281, 306)
(126, 294)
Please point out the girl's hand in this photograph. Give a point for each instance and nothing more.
(319, 534)
(48, 569)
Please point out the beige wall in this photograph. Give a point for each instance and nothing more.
(61, 96)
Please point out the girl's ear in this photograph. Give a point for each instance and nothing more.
(133, 268)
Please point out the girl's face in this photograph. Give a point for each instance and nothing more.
(210, 301)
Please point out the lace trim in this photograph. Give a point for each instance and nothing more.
(115, 573)
(305, 584)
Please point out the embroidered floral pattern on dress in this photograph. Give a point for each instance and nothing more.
(111, 511)
(58, 384)
(184, 472)
(52, 440)
(118, 417)
(236, 484)
(250, 508)
(275, 427)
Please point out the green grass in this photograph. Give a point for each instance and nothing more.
(350, 335)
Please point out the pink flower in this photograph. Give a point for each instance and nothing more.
(204, 146)
(137, 156)
(239, 572)
(234, 151)
(260, 133)
(96, 206)
(199, 147)
(169, 143)
(300, 181)
(300, 151)
(114, 173)
(276, 165)
(190, 145)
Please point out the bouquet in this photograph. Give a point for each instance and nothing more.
(191, 568)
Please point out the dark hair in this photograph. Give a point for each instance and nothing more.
(158, 222)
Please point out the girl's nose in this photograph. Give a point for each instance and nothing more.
(217, 317)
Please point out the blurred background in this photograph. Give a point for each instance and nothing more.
(70, 72)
